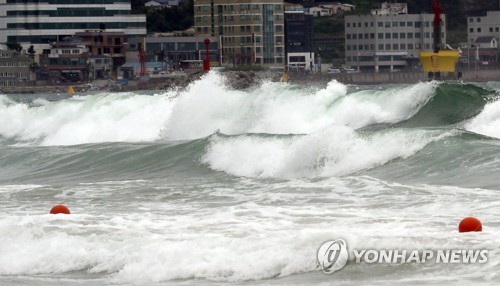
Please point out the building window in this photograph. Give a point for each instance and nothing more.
(409, 35)
(410, 46)
(402, 24)
(471, 30)
(388, 47)
(479, 20)
(402, 46)
(380, 46)
(479, 30)
(402, 35)
(394, 35)
(471, 20)
(380, 35)
(395, 47)
(380, 24)
(409, 24)
(387, 35)
(394, 24)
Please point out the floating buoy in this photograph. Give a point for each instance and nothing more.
(71, 90)
(469, 224)
(59, 209)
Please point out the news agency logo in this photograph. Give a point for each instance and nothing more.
(333, 255)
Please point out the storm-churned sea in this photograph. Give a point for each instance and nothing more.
(209, 185)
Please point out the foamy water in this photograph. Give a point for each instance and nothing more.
(209, 185)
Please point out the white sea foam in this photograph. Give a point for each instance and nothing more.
(277, 108)
(338, 150)
(90, 119)
(265, 232)
(487, 122)
(205, 107)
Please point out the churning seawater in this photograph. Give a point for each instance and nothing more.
(209, 185)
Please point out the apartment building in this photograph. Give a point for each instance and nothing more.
(40, 22)
(15, 68)
(389, 38)
(250, 31)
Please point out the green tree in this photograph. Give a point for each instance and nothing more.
(14, 46)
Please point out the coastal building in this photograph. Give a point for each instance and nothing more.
(103, 42)
(389, 38)
(65, 62)
(483, 34)
(175, 52)
(41, 22)
(101, 66)
(251, 31)
(299, 40)
(15, 68)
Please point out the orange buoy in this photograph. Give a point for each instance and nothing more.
(59, 209)
(470, 224)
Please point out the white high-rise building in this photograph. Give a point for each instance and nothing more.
(40, 22)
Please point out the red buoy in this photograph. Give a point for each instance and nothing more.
(470, 224)
(59, 209)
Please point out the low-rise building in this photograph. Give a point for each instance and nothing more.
(16, 69)
(173, 50)
(483, 34)
(66, 62)
(102, 42)
(101, 66)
